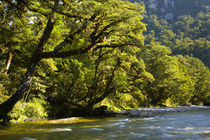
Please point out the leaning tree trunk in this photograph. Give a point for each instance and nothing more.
(8, 105)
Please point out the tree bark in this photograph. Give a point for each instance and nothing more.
(8, 61)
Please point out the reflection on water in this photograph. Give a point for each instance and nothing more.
(187, 125)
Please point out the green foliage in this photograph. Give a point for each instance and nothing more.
(120, 102)
(34, 109)
(172, 82)
(201, 78)
(186, 33)
(117, 69)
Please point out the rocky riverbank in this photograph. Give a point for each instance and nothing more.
(150, 112)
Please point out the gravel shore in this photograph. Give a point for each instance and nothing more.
(150, 112)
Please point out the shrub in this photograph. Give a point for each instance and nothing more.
(32, 110)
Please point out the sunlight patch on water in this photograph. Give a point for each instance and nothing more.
(138, 135)
(59, 130)
(121, 124)
(21, 131)
(28, 138)
(150, 127)
(95, 126)
(194, 129)
(97, 129)
(167, 135)
(66, 120)
(189, 128)
(31, 131)
(151, 118)
(169, 127)
(124, 120)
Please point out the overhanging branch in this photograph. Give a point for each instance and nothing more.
(79, 51)
(112, 46)
(69, 39)
(64, 54)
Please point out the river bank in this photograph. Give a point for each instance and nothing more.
(135, 112)
(153, 111)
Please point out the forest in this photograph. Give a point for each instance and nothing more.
(64, 58)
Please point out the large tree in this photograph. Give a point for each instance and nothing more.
(65, 28)
(172, 84)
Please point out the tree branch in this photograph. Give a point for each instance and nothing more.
(64, 54)
(107, 88)
(69, 39)
(112, 46)
(110, 25)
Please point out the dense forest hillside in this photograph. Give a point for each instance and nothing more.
(63, 58)
(172, 9)
(184, 26)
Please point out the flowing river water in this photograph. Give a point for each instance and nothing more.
(194, 125)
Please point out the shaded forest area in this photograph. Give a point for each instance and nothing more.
(63, 58)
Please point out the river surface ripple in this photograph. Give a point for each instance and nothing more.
(193, 125)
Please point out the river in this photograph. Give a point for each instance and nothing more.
(194, 125)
